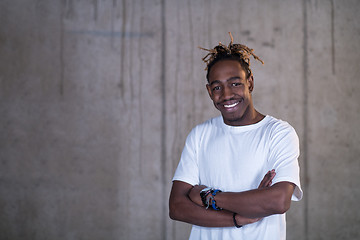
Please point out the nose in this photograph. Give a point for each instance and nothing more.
(227, 93)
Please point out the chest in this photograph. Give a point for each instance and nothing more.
(233, 162)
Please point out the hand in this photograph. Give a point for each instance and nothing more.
(267, 180)
(194, 194)
(243, 220)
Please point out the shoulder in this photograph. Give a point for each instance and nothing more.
(278, 125)
(212, 123)
(280, 130)
(205, 128)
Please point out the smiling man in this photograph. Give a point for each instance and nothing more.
(230, 89)
(238, 172)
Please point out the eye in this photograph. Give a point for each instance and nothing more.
(216, 88)
(236, 84)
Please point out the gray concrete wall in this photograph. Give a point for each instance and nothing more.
(97, 97)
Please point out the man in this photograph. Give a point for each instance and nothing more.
(219, 185)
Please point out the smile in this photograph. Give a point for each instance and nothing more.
(231, 105)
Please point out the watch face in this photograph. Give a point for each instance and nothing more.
(206, 189)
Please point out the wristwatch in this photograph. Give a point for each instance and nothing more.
(204, 193)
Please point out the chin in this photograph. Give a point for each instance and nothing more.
(231, 119)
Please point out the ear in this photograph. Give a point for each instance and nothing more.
(251, 83)
(209, 90)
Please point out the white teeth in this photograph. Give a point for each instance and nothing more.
(231, 105)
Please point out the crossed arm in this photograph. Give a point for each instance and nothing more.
(185, 203)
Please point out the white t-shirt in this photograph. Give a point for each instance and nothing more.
(236, 159)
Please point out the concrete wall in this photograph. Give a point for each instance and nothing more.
(97, 97)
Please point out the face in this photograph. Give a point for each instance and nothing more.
(230, 92)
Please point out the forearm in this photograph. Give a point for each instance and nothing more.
(189, 212)
(258, 203)
(182, 208)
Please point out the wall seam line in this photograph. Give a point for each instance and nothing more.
(163, 119)
(305, 119)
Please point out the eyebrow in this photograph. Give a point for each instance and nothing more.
(227, 80)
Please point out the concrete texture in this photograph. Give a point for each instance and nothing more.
(97, 98)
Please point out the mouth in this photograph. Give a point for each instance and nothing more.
(230, 105)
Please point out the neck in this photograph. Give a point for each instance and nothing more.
(251, 117)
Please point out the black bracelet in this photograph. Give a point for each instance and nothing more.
(235, 223)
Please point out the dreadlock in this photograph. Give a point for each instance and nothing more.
(237, 52)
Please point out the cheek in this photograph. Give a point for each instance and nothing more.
(240, 92)
(215, 105)
(213, 96)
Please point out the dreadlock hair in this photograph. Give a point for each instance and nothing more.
(237, 52)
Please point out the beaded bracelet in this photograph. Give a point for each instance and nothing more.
(207, 197)
(214, 206)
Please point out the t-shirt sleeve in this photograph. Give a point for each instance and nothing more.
(284, 153)
(187, 169)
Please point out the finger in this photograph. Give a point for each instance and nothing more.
(272, 175)
(269, 184)
(267, 176)
(254, 220)
(265, 180)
